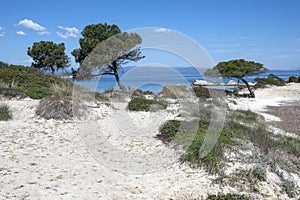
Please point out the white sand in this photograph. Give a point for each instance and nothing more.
(49, 159)
(272, 96)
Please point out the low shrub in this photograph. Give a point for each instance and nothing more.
(227, 197)
(60, 104)
(141, 104)
(289, 188)
(270, 80)
(173, 91)
(169, 130)
(201, 92)
(5, 113)
(32, 82)
(259, 173)
(139, 93)
(11, 93)
(294, 79)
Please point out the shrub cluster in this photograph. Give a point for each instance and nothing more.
(32, 82)
(270, 80)
(201, 92)
(227, 197)
(294, 79)
(5, 113)
(141, 104)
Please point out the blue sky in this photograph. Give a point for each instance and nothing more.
(261, 30)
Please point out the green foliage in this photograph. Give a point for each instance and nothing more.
(103, 49)
(236, 69)
(259, 173)
(211, 161)
(93, 34)
(201, 92)
(227, 197)
(48, 55)
(141, 104)
(169, 130)
(3, 64)
(270, 80)
(289, 187)
(5, 113)
(32, 82)
(294, 79)
(245, 116)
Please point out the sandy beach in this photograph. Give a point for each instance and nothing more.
(50, 159)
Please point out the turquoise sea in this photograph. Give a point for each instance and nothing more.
(153, 78)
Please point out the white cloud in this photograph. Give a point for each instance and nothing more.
(227, 45)
(22, 62)
(2, 33)
(27, 23)
(44, 33)
(20, 33)
(70, 32)
(161, 30)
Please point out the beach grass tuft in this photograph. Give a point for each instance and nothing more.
(5, 113)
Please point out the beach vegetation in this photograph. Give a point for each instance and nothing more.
(31, 81)
(289, 188)
(47, 55)
(240, 127)
(3, 64)
(272, 79)
(5, 113)
(104, 49)
(142, 104)
(238, 69)
(60, 104)
(294, 79)
(173, 91)
(227, 197)
(201, 92)
(259, 173)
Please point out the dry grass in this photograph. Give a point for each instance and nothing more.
(60, 105)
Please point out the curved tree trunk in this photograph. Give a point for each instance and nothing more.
(252, 95)
(116, 74)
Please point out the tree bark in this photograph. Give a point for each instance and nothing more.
(116, 74)
(252, 95)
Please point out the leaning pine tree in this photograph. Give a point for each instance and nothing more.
(104, 49)
(238, 69)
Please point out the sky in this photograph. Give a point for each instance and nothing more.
(265, 31)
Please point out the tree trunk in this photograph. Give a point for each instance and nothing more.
(252, 95)
(115, 69)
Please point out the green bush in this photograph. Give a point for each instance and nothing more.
(141, 104)
(32, 82)
(11, 93)
(294, 79)
(5, 113)
(169, 130)
(271, 80)
(201, 92)
(259, 173)
(289, 188)
(227, 197)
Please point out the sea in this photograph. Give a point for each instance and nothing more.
(154, 78)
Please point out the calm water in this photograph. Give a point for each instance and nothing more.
(153, 78)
